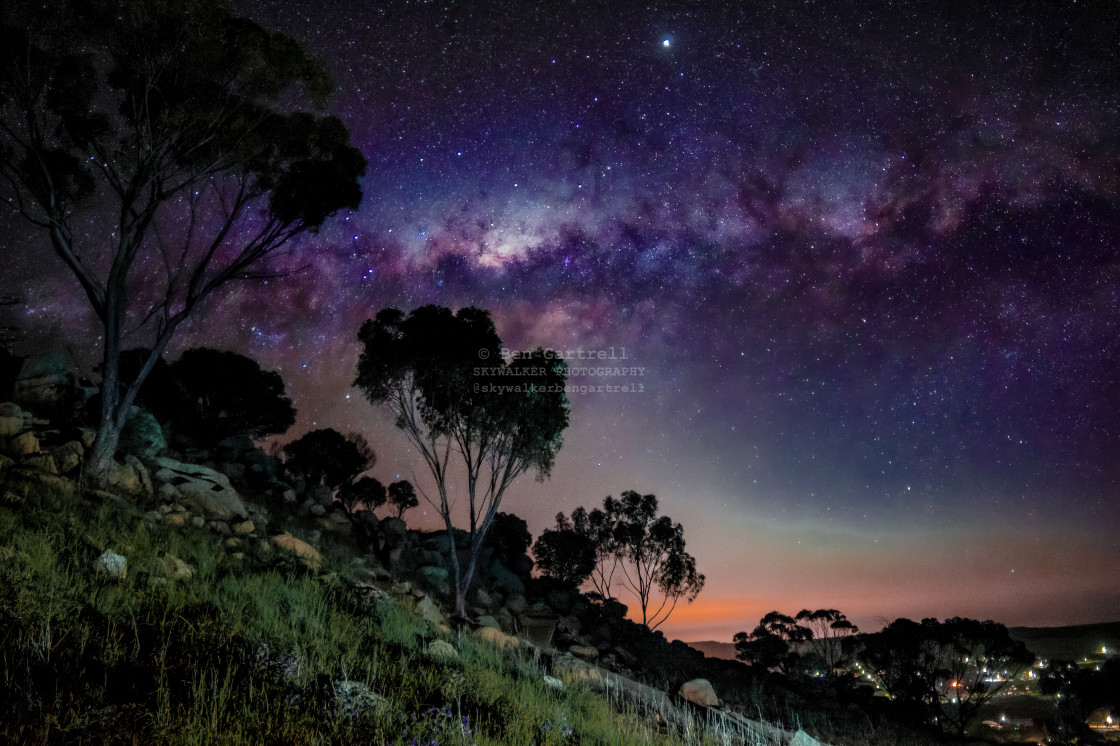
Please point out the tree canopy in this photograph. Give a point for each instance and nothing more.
(402, 495)
(941, 673)
(565, 554)
(625, 536)
(162, 140)
(366, 491)
(327, 457)
(442, 376)
(208, 395)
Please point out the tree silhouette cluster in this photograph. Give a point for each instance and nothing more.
(811, 639)
(208, 395)
(326, 457)
(627, 541)
(438, 373)
(941, 673)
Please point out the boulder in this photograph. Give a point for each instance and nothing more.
(68, 456)
(244, 528)
(308, 554)
(43, 462)
(496, 637)
(554, 684)
(87, 435)
(169, 493)
(576, 673)
(203, 489)
(392, 530)
(123, 478)
(261, 463)
(112, 565)
(10, 409)
(219, 527)
(142, 435)
(699, 692)
(142, 473)
(801, 738)
(23, 444)
(505, 619)
(428, 610)
(435, 576)
(176, 569)
(442, 652)
(488, 621)
(10, 426)
(355, 698)
(505, 580)
(317, 510)
(483, 599)
(176, 519)
(586, 652)
(517, 604)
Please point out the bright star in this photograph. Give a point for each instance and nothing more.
(666, 43)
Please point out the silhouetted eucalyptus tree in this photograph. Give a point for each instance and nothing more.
(653, 558)
(403, 496)
(769, 644)
(443, 378)
(160, 148)
(565, 554)
(828, 628)
(366, 491)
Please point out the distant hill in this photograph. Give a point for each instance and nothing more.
(713, 649)
(1071, 643)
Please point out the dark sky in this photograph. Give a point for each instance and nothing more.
(866, 262)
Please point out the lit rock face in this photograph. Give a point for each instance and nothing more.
(699, 692)
(206, 491)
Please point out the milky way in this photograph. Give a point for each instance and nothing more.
(866, 267)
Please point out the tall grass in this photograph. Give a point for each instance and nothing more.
(256, 650)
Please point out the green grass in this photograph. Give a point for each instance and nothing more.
(251, 651)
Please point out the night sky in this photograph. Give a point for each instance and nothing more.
(866, 263)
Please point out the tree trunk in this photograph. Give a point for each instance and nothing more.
(110, 422)
(463, 587)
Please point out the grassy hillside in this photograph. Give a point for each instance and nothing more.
(191, 644)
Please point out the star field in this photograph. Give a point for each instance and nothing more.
(867, 260)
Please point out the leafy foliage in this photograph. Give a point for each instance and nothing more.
(943, 672)
(652, 550)
(828, 629)
(366, 491)
(326, 457)
(565, 554)
(403, 496)
(120, 120)
(208, 395)
(444, 380)
(768, 646)
(626, 535)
